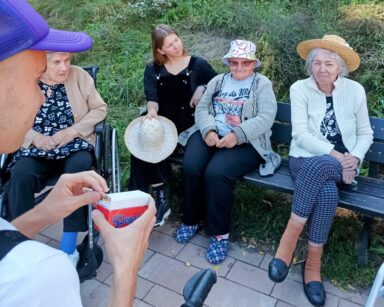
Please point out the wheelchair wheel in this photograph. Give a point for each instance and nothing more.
(115, 163)
(111, 164)
(5, 159)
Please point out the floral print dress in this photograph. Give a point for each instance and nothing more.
(54, 115)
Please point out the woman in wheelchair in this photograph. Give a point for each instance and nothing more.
(61, 141)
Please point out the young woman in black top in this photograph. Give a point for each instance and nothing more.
(173, 84)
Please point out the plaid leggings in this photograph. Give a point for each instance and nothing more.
(316, 195)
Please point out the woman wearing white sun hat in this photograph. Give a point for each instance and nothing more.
(233, 123)
(331, 133)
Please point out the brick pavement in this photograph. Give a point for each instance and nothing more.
(242, 277)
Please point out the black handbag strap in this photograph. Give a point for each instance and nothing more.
(8, 240)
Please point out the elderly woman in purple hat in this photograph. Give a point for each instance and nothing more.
(330, 135)
(231, 137)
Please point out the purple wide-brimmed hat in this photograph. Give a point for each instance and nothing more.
(21, 28)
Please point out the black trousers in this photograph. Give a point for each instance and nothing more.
(30, 175)
(209, 175)
(144, 174)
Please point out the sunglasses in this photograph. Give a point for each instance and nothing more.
(243, 64)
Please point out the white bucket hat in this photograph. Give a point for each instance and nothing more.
(152, 140)
(242, 49)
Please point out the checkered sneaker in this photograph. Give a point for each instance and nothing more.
(217, 250)
(186, 232)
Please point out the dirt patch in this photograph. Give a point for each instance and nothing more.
(206, 45)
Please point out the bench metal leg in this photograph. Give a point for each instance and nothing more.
(362, 258)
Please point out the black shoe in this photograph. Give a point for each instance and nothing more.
(163, 211)
(314, 291)
(162, 208)
(278, 270)
(90, 259)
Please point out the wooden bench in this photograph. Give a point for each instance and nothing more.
(367, 197)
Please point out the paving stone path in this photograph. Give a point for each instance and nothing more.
(242, 277)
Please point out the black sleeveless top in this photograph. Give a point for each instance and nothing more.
(174, 92)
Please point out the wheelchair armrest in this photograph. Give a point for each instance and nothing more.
(99, 128)
(99, 145)
(3, 162)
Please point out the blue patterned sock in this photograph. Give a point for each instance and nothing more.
(68, 242)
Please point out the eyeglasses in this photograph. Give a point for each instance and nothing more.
(242, 64)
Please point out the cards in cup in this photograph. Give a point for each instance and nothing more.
(122, 209)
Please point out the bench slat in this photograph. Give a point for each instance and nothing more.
(377, 125)
(368, 199)
(368, 187)
(283, 112)
(366, 204)
(375, 153)
(281, 133)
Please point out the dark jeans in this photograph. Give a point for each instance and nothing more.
(209, 175)
(143, 174)
(30, 176)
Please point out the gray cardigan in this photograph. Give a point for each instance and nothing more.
(257, 118)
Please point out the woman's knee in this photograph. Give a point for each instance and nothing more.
(195, 165)
(325, 167)
(214, 175)
(78, 162)
(23, 171)
(329, 195)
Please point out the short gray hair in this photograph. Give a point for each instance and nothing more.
(343, 69)
(49, 54)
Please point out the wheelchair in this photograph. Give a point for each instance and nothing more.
(106, 164)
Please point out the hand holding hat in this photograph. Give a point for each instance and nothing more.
(151, 140)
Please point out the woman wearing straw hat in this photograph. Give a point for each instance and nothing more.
(330, 135)
(173, 85)
(233, 123)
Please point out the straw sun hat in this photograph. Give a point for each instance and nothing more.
(152, 140)
(332, 43)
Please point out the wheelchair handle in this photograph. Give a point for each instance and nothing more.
(197, 288)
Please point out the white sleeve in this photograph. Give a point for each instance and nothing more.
(36, 275)
(300, 125)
